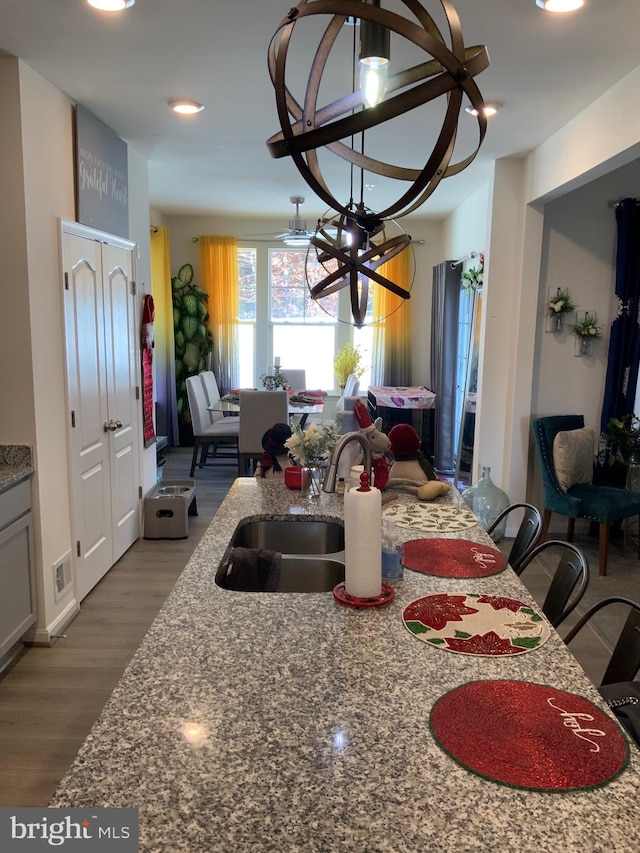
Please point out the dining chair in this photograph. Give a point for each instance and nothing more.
(618, 682)
(569, 580)
(352, 386)
(259, 411)
(205, 432)
(566, 454)
(345, 414)
(624, 661)
(527, 535)
(212, 394)
(351, 391)
(296, 379)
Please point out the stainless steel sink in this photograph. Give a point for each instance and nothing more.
(309, 574)
(298, 535)
(302, 555)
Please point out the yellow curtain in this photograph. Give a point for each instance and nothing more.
(392, 330)
(164, 353)
(219, 270)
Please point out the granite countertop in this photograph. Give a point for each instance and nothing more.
(289, 722)
(16, 464)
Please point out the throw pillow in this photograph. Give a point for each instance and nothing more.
(573, 455)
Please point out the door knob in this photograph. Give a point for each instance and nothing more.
(112, 426)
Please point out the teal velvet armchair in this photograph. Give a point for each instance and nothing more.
(602, 504)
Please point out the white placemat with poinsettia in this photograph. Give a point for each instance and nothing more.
(431, 517)
(474, 624)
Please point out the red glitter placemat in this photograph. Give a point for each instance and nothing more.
(529, 735)
(474, 624)
(453, 558)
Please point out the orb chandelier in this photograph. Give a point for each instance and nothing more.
(351, 248)
(339, 126)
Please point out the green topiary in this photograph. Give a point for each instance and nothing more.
(193, 337)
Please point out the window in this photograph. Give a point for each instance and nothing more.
(277, 317)
(303, 330)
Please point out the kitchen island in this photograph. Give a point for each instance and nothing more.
(290, 722)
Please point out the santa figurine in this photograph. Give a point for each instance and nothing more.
(410, 470)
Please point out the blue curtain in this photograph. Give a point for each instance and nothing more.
(624, 343)
(444, 345)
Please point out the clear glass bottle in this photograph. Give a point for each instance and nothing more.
(487, 501)
(341, 487)
(392, 553)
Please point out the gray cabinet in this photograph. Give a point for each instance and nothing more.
(17, 569)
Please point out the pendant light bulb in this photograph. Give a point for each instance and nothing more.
(374, 60)
(560, 5)
(373, 79)
(111, 5)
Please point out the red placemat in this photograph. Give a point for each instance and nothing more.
(529, 735)
(453, 558)
(474, 624)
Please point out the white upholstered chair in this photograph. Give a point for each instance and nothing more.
(259, 411)
(212, 393)
(351, 391)
(296, 379)
(205, 432)
(352, 386)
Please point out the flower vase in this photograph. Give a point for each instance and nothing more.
(312, 478)
(583, 346)
(555, 323)
(487, 502)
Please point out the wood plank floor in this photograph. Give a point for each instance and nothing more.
(51, 697)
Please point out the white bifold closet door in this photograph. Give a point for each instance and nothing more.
(103, 396)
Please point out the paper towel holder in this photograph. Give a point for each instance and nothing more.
(387, 594)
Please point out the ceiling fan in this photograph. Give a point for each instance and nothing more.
(297, 234)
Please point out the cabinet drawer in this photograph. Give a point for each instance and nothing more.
(15, 502)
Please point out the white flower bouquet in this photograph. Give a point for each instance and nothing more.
(561, 303)
(315, 442)
(588, 328)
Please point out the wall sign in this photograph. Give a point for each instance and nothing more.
(102, 177)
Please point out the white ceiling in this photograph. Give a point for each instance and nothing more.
(124, 68)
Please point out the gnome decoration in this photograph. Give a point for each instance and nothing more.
(410, 470)
(276, 456)
(378, 442)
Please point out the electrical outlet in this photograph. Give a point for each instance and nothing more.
(62, 576)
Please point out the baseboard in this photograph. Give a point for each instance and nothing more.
(48, 636)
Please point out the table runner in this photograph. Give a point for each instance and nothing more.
(453, 558)
(300, 398)
(474, 624)
(529, 735)
(431, 517)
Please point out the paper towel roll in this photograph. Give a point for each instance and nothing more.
(363, 543)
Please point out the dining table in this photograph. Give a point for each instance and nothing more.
(301, 403)
(448, 717)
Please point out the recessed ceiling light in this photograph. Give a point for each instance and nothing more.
(185, 107)
(560, 5)
(111, 5)
(489, 110)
